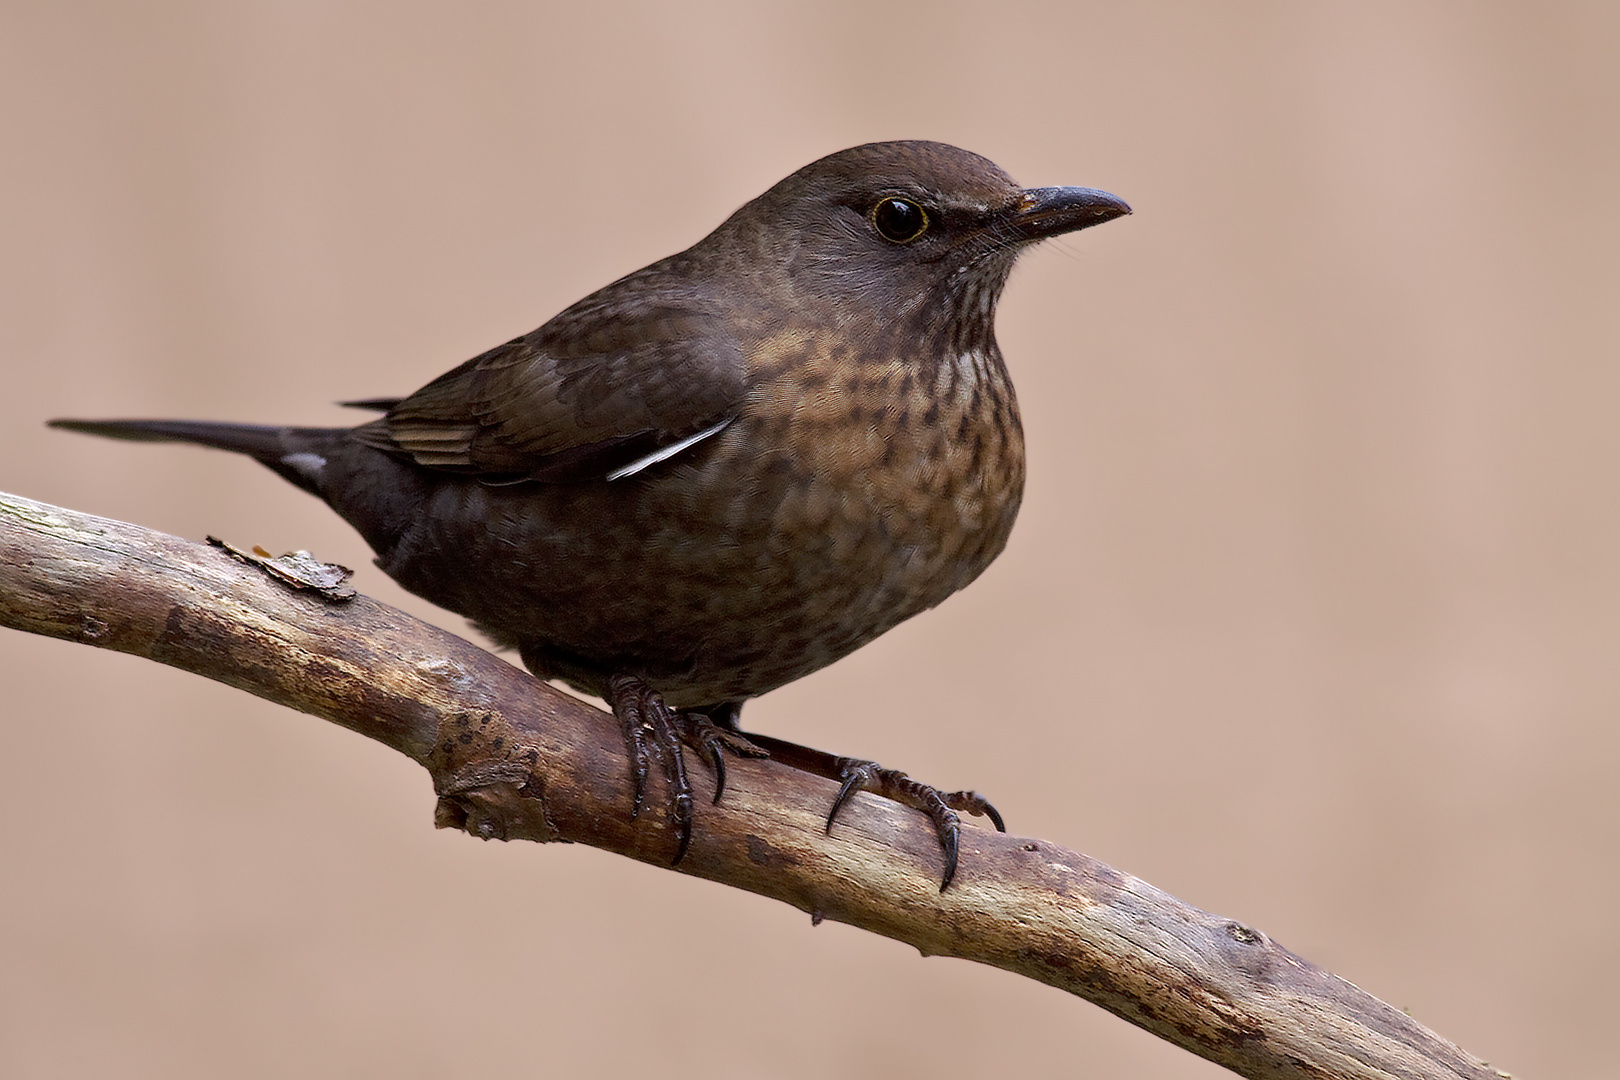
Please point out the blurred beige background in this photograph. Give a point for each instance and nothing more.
(1311, 616)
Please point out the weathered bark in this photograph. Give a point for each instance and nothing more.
(511, 758)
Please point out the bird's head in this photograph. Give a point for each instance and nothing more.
(911, 227)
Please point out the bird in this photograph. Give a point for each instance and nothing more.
(723, 471)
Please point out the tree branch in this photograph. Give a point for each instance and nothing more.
(511, 758)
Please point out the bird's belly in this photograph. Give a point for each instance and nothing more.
(742, 568)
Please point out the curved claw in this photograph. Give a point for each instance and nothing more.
(973, 803)
(682, 813)
(717, 762)
(858, 775)
(950, 841)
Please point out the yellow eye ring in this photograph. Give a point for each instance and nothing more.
(899, 221)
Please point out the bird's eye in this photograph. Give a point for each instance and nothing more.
(899, 220)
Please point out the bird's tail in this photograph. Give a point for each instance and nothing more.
(298, 454)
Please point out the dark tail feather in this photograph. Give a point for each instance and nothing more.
(254, 439)
(298, 454)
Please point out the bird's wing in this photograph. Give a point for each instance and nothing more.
(602, 391)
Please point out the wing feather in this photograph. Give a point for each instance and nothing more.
(625, 378)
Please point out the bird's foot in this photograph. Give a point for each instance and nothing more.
(714, 739)
(651, 727)
(856, 774)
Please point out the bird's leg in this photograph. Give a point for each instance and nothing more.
(645, 719)
(651, 726)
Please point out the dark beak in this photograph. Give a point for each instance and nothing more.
(1049, 211)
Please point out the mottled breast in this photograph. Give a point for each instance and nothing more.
(890, 481)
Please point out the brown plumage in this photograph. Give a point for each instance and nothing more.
(725, 470)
